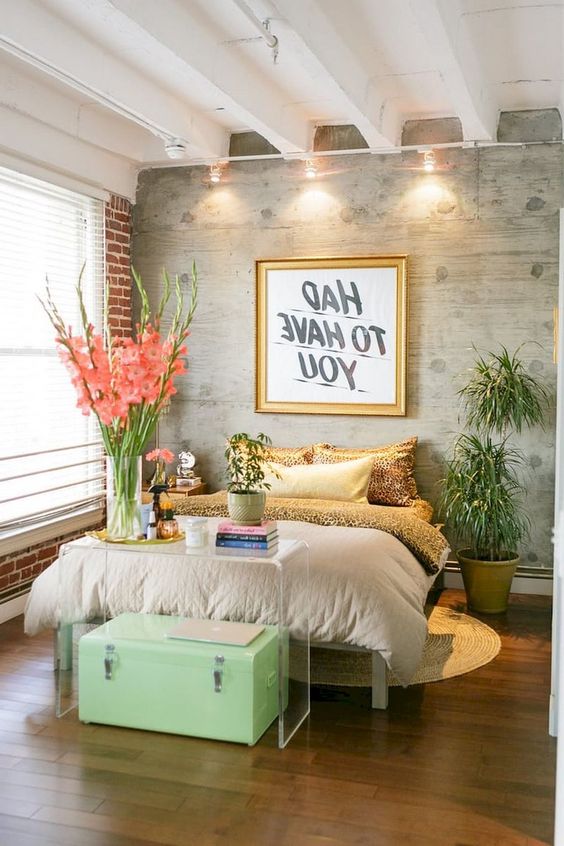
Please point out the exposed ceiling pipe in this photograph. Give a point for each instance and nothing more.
(98, 96)
(379, 151)
(261, 27)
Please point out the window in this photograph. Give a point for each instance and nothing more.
(51, 456)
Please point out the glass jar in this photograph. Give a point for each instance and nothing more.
(196, 529)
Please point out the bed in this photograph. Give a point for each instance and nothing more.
(371, 568)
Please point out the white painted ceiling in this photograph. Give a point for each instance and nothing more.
(106, 83)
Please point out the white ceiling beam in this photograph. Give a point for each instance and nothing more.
(444, 27)
(28, 140)
(336, 63)
(256, 102)
(30, 32)
(32, 95)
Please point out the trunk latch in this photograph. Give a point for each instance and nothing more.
(109, 660)
(218, 673)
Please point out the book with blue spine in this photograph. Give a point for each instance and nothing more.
(246, 544)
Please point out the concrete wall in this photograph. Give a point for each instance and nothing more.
(482, 238)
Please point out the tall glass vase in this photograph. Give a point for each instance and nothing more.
(123, 497)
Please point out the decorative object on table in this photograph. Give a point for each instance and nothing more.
(146, 509)
(126, 383)
(167, 526)
(157, 490)
(247, 466)
(102, 535)
(332, 335)
(185, 468)
(152, 526)
(161, 457)
(481, 493)
(230, 535)
(196, 530)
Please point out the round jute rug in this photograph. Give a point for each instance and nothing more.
(456, 644)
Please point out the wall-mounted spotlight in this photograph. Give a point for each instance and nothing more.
(310, 169)
(429, 161)
(215, 173)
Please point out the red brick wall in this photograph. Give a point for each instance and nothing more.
(18, 569)
(118, 259)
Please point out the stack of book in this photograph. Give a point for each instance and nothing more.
(188, 483)
(250, 540)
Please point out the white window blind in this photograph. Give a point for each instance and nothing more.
(51, 456)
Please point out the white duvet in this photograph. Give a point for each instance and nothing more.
(366, 589)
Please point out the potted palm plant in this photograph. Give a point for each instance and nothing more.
(247, 466)
(481, 497)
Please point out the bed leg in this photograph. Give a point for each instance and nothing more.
(379, 682)
(62, 642)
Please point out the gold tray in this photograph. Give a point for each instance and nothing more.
(102, 535)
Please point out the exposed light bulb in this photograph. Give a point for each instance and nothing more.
(310, 170)
(429, 161)
(215, 173)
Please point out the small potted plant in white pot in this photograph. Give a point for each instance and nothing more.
(481, 495)
(247, 467)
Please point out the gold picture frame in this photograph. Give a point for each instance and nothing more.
(332, 335)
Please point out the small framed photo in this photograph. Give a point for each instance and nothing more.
(332, 335)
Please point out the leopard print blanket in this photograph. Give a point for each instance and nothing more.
(408, 524)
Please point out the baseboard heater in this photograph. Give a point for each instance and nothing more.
(525, 572)
(17, 590)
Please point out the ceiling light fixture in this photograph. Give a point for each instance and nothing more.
(310, 169)
(429, 161)
(175, 148)
(215, 173)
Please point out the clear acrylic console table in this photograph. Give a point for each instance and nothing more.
(97, 581)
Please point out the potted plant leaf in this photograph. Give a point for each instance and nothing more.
(247, 467)
(481, 497)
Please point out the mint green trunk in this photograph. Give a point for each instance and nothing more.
(167, 685)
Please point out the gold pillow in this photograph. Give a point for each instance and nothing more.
(391, 480)
(346, 481)
(290, 456)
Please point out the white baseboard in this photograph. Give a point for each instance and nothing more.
(521, 584)
(13, 607)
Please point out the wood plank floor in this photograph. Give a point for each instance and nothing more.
(465, 762)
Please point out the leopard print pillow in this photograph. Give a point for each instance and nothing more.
(290, 456)
(391, 481)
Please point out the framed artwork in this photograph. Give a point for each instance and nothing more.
(332, 335)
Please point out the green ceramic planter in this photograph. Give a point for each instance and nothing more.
(246, 509)
(487, 583)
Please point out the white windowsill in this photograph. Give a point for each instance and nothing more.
(24, 538)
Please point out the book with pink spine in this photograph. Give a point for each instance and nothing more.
(267, 527)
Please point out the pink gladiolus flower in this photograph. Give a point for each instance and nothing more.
(125, 382)
(166, 455)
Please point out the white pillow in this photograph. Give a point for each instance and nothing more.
(346, 481)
